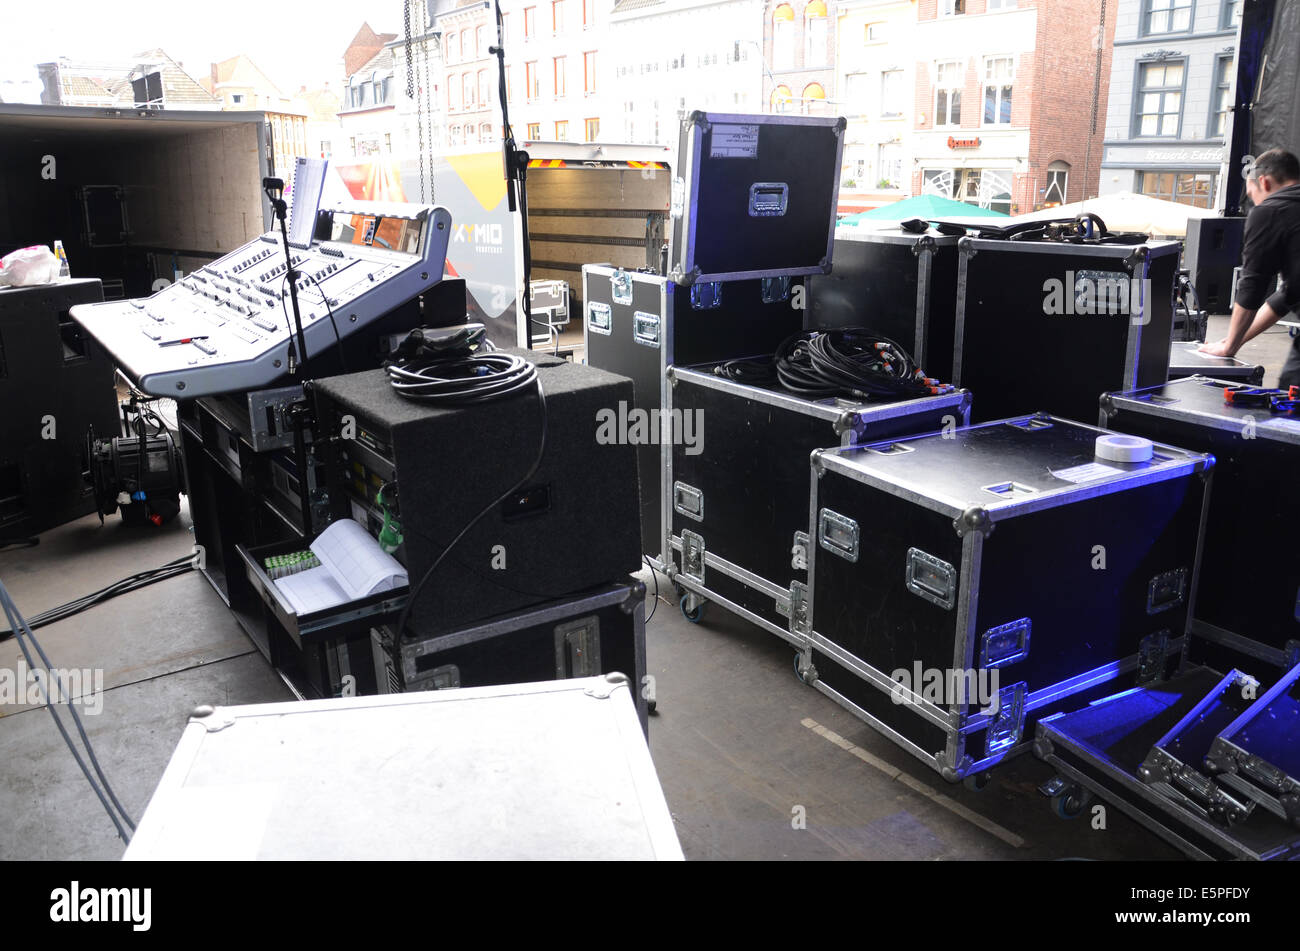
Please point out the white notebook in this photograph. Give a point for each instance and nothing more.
(352, 566)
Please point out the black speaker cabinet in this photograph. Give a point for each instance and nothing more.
(572, 526)
(55, 382)
(1213, 249)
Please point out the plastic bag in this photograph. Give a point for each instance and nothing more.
(28, 266)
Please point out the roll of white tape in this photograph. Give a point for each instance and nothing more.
(1114, 447)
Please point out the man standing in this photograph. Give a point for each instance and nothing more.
(1272, 247)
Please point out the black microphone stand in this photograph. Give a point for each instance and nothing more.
(516, 168)
(274, 189)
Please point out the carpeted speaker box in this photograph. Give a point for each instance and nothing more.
(572, 526)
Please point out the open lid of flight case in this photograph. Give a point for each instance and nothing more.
(755, 196)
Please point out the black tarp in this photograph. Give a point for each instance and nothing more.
(1276, 115)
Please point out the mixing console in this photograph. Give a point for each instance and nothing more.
(227, 326)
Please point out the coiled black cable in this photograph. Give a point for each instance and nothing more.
(853, 361)
(459, 377)
(748, 370)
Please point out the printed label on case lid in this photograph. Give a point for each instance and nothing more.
(734, 141)
(1086, 473)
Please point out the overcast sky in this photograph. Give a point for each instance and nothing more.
(293, 43)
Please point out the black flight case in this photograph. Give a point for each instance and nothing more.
(1050, 325)
(1248, 602)
(965, 584)
(738, 493)
(638, 325)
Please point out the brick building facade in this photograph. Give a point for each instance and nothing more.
(1019, 124)
(799, 48)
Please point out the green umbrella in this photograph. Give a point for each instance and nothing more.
(926, 207)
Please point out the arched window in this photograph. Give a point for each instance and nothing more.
(1058, 183)
(783, 37)
(814, 98)
(782, 98)
(816, 31)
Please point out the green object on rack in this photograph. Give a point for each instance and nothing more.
(280, 566)
(390, 536)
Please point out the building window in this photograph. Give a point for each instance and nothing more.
(1058, 181)
(453, 44)
(388, 142)
(1187, 188)
(534, 131)
(782, 97)
(937, 181)
(562, 131)
(326, 148)
(989, 188)
(999, 72)
(1002, 5)
(484, 87)
(589, 73)
(783, 37)
(952, 8)
(875, 32)
(814, 98)
(236, 98)
(1167, 16)
(947, 97)
(1230, 15)
(890, 166)
(857, 94)
(485, 133)
(557, 16)
(1225, 73)
(461, 51)
(481, 40)
(1159, 103)
(505, 27)
(892, 93)
(454, 132)
(530, 22)
(451, 94)
(561, 85)
(588, 14)
(532, 83)
(593, 129)
(816, 30)
(467, 90)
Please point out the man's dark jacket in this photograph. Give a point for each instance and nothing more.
(1272, 247)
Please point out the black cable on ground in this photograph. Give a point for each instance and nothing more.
(171, 569)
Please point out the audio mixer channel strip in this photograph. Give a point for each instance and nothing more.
(227, 326)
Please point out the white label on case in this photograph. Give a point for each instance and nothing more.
(1087, 472)
(679, 197)
(734, 141)
(1286, 424)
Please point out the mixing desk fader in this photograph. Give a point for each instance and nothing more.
(227, 326)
